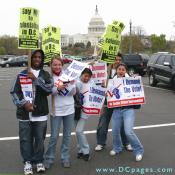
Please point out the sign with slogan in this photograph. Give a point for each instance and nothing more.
(110, 42)
(67, 89)
(99, 71)
(125, 92)
(93, 99)
(73, 71)
(29, 28)
(26, 87)
(51, 42)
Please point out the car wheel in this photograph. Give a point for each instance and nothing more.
(7, 65)
(152, 80)
(131, 71)
(173, 84)
(142, 73)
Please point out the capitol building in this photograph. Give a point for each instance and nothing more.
(95, 30)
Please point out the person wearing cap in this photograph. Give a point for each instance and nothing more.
(33, 115)
(104, 120)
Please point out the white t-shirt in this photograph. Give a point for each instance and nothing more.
(40, 118)
(83, 87)
(63, 101)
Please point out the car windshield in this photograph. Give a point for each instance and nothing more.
(7, 59)
(132, 58)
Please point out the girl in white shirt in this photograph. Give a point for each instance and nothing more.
(83, 146)
(63, 111)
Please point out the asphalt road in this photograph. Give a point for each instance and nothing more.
(158, 139)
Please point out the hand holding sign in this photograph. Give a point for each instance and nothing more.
(29, 107)
(31, 76)
(60, 85)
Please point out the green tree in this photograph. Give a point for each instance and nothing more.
(158, 42)
(2, 51)
(137, 45)
(88, 45)
(81, 45)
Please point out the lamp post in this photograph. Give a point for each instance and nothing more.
(130, 38)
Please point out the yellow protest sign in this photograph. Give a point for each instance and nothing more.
(29, 28)
(51, 42)
(110, 42)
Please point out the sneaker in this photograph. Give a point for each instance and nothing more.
(129, 147)
(47, 165)
(86, 157)
(80, 155)
(99, 147)
(139, 157)
(112, 153)
(66, 164)
(28, 168)
(40, 168)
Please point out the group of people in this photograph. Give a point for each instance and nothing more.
(66, 108)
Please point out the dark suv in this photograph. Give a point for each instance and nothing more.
(14, 61)
(161, 68)
(136, 63)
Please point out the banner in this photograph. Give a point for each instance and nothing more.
(93, 98)
(73, 71)
(51, 42)
(26, 87)
(29, 29)
(67, 89)
(125, 92)
(99, 71)
(110, 42)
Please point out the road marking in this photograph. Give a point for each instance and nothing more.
(94, 131)
(6, 79)
(158, 88)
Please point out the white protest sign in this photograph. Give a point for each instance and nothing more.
(93, 99)
(99, 71)
(26, 87)
(73, 71)
(67, 89)
(125, 92)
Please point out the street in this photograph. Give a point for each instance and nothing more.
(155, 127)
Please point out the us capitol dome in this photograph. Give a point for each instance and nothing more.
(96, 28)
(96, 25)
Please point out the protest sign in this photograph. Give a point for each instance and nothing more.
(67, 89)
(125, 92)
(29, 29)
(73, 71)
(93, 99)
(51, 42)
(99, 71)
(26, 87)
(110, 42)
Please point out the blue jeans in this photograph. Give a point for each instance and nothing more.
(103, 125)
(55, 129)
(83, 146)
(128, 116)
(31, 137)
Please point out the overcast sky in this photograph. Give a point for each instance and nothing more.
(73, 16)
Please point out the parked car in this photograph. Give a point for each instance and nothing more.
(161, 68)
(67, 58)
(14, 61)
(135, 64)
(77, 58)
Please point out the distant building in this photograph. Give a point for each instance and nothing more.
(95, 30)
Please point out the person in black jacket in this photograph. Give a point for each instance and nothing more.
(105, 118)
(32, 115)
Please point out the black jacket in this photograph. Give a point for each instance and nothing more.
(43, 84)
